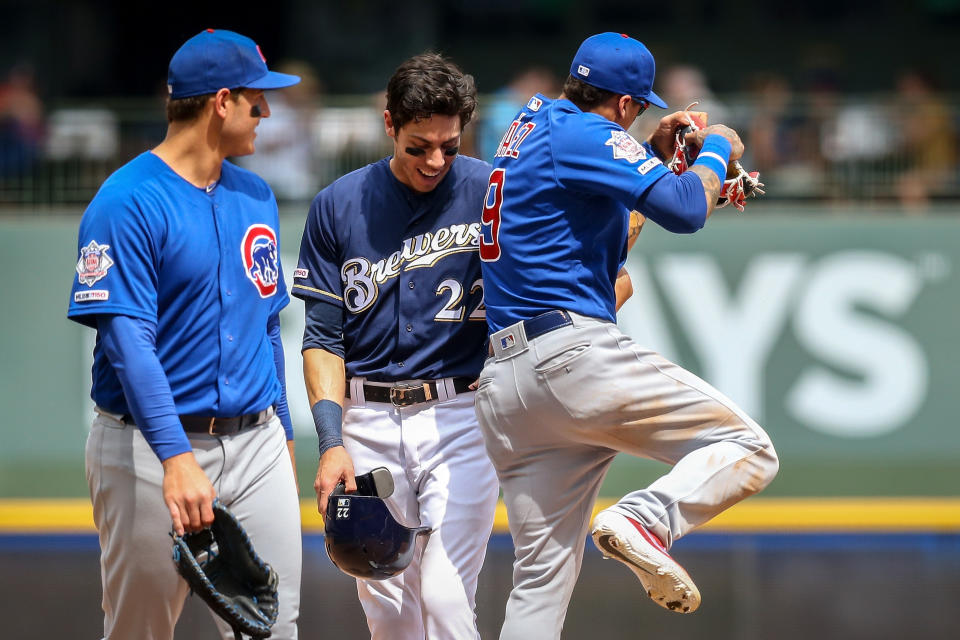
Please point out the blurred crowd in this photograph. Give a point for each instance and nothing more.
(811, 140)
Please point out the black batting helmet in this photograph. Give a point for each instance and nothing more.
(363, 539)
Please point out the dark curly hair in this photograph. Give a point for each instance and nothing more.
(427, 84)
(585, 96)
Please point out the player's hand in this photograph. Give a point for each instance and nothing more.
(696, 139)
(663, 139)
(188, 493)
(335, 467)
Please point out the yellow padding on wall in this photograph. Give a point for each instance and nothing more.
(756, 515)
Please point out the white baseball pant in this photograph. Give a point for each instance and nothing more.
(443, 480)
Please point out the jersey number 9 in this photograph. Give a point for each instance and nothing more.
(490, 228)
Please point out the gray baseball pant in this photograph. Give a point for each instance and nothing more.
(556, 409)
(251, 471)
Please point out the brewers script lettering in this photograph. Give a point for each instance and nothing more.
(361, 277)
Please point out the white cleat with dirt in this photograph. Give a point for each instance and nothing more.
(628, 541)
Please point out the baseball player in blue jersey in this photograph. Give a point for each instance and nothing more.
(565, 390)
(178, 272)
(396, 336)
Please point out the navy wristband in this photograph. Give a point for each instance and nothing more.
(715, 155)
(328, 419)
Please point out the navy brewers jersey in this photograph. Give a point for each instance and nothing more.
(201, 264)
(555, 214)
(404, 266)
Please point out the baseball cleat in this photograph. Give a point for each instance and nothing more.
(628, 541)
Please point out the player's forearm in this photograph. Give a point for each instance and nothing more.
(130, 346)
(622, 287)
(712, 160)
(711, 185)
(675, 203)
(634, 228)
(283, 411)
(324, 376)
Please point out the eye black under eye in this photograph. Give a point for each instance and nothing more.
(414, 151)
(452, 151)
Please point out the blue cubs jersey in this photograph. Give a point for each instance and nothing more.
(404, 266)
(556, 211)
(203, 265)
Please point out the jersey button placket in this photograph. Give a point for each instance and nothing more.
(224, 253)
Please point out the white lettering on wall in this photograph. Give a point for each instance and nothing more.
(869, 375)
(878, 374)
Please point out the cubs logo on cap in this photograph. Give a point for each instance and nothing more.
(260, 260)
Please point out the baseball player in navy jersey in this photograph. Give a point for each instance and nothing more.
(178, 272)
(395, 337)
(565, 390)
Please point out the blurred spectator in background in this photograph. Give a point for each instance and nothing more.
(782, 142)
(21, 121)
(287, 152)
(681, 85)
(684, 84)
(350, 136)
(498, 110)
(929, 141)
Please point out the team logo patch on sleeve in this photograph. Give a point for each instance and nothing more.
(94, 263)
(260, 261)
(625, 147)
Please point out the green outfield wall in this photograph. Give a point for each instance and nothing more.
(836, 333)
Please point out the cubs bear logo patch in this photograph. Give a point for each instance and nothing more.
(260, 261)
(94, 263)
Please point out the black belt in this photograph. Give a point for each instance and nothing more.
(218, 426)
(404, 395)
(223, 426)
(541, 324)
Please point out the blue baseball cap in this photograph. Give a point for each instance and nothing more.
(217, 59)
(616, 62)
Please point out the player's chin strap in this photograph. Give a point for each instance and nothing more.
(739, 185)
